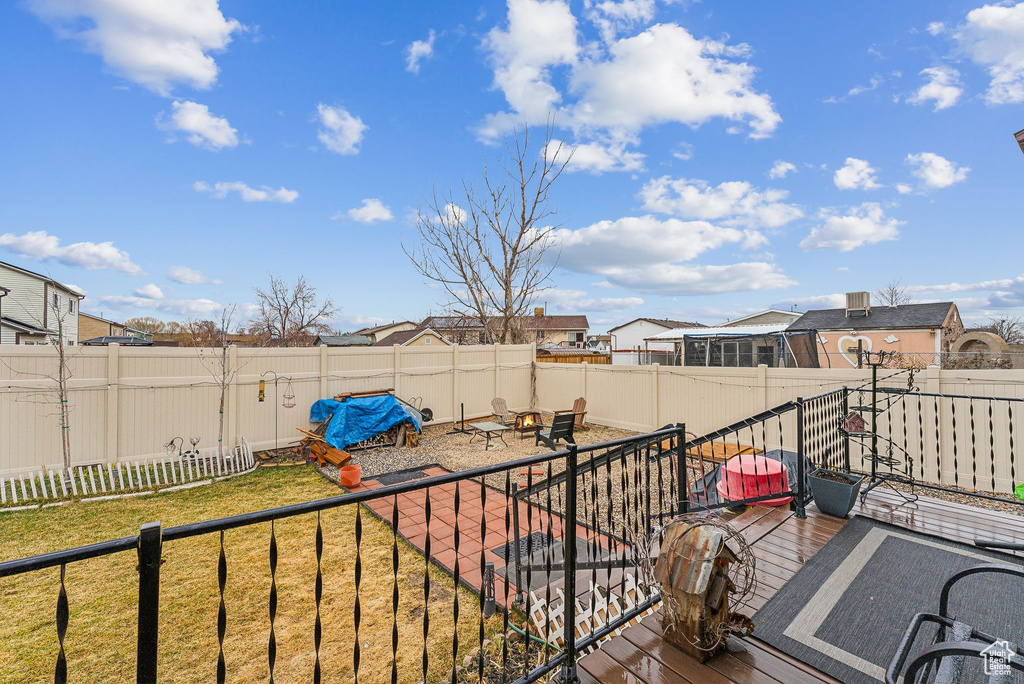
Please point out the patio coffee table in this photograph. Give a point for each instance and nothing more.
(488, 429)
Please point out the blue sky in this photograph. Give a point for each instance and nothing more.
(164, 157)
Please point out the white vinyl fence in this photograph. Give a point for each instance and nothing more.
(127, 403)
(975, 443)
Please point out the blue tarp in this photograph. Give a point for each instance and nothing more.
(359, 418)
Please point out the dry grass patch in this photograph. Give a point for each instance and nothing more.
(102, 592)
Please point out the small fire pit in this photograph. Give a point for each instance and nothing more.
(527, 422)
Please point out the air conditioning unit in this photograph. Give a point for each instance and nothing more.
(858, 304)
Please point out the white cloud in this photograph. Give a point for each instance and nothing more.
(863, 225)
(38, 244)
(904, 189)
(856, 174)
(455, 214)
(417, 51)
(936, 171)
(661, 75)
(827, 301)
(180, 307)
(644, 254)
(371, 211)
(781, 169)
(340, 131)
(189, 276)
(875, 81)
(665, 75)
(150, 291)
(936, 27)
(611, 17)
(943, 87)
(155, 44)
(686, 279)
(200, 127)
(597, 158)
(993, 37)
(735, 202)
(540, 34)
(684, 151)
(262, 194)
(578, 300)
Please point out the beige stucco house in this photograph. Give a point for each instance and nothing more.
(920, 333)
(35, 307)
(562, 330)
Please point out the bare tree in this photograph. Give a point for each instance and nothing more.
(291, 315)
(1009, 328)
(148, 324)
(893, 293)
(209, 339)
(489, 248)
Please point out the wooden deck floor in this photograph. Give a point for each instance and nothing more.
(782, 544)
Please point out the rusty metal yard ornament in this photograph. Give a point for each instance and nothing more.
(705, 572)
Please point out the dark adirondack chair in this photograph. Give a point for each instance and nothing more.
(561, 428)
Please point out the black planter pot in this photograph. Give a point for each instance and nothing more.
(835, 498)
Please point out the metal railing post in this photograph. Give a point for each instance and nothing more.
(846, 435)
(801, 494)
(150, 542)
(569, 674)
(683, 485)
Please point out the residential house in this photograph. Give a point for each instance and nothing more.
(562, 330)
(381, 331)
(36, 308)
(921, 333)
(413, 338)
(351, 340)
(629, 345)
(91, 325)
(766, 317)
(737, 346)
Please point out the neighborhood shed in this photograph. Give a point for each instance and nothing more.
(342, 341)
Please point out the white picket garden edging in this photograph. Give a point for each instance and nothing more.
(111, 479)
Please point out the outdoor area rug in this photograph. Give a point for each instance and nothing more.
(846, 610)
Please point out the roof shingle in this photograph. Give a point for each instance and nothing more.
(930, 315)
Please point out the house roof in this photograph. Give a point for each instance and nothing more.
(930, 315)
(354, 340)
(100, 318)
(41, 277)
(383, 326)
(664, 322)
(24, 327)
(404, 336)
(555, 322)
(725, 331)
(762, 313)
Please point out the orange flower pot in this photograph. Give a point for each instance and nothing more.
(350, 475)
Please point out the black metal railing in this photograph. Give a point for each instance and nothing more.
(957, 443)
(600, 501)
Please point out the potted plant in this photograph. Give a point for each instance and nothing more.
(834, 491)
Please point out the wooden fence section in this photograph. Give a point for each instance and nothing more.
(947, 443)
(127, 403)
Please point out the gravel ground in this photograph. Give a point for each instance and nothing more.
(455, 452)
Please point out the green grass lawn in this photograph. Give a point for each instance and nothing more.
(102, 592)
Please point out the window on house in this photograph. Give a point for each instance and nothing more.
(71, 305)
(56, 300)
(427, 340)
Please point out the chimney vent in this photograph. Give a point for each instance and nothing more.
(858, 304)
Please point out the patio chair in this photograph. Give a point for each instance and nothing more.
(579, 410)
(500, 408)
(943, 661)
(561, 428)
